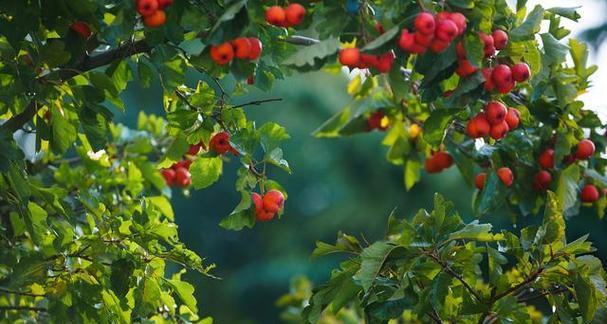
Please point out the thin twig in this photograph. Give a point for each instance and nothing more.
(455, 275)
(27, 308)
(257, 102)
(15, 292)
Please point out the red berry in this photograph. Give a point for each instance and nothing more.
(164, 3)
(506, 176)
(478, 126)
(446, 30)
(590, 193)
(500, 39)
(222, 54)
(194, 149)
(585, 149)
(542, 180)
(479, 180)
(502, 76)
(424, 23)
(368, 60)
(273, 200)
(499, 131)
(459, 20)
(295, 13)
(256, 48)
(257, 201)
(183, 178)
(465, 68)
(168, 175)
(512, 118)
(385, 61)
(489, 85)
(220, 143)
(276, 16)
(147, 7)
(423, 39)
(546, 159)
(182, 164)
(82, 29)
(251, 80)
(241, 47)
(349, 57)
(438, 46)
(443, 159)
(489, 45)
(406, 40)
(157, 19)
(431, 166)
(521, 72)
(379, 28)
(496, 112)
(375, 121)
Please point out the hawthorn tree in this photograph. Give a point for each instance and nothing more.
(88, 232)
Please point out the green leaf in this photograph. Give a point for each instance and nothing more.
(585, 295)
(477, 232)
(164, 205)
(555, 51)
(242, 216)
(381, 40)
(271, 134)
(435, 126)
(206, 171)
(567, 186)
(567, 12)
(36, 222)
(185, 291)
(372, 260)
(63, 133)
(530, 27)
(554, 223)
(147, 296)
(412, 172)
(309, 55)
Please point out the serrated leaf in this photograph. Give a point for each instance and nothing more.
(206, 171)
(307, 56)
(529, 27)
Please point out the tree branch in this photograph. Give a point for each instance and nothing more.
(257, 102)
(88, 63)
(27, 308)
(531, 278)
(15, 292)
(455, 275)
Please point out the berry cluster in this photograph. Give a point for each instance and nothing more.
(244, 48)
(178, 174)
(503, 78)
(433, 32)
(438, 162)
(267, 206)
(290, 16)
(495, 121)
(152, 11)
(82, 29)
(353, 58)
(378, 120)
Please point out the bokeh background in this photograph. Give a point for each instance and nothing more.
(337, 184)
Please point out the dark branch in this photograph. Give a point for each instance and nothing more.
(455, 275)
(26, 308)
(530, 279)
(88, 63)
(15, 292)
(257, 102)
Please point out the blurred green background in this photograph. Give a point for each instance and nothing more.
(337, 184)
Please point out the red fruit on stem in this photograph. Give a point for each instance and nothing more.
(406, 40)
(375, 121)
(546, 159)
(424, 23)
(385, 62)
(147, 7)
(438, 46)
(157, 19)
(82, 29)
(512, 118)
(241, 47)
(168, 175)
(500, 39)
(349, 57)
(379, 28)
(478, 126)
(256, 47)
(521, 72)
(465, 68)
(431, 166)
(183, 178)
(424, 40)
(460, 21)
(479, 180)
(220, 143)
(295, 14)
(368, 60)
(222, 54)
(257, 201)
(489, 47)
(499, 131)
(446, 30)
(443, 159)
(495, 112)
(182, 164)
(585, 149)
(273, 201)
(542, 180)
(276, 16)
(501, 75)
(590, 193)
(506, 176)
(489, 85)
(194, 149)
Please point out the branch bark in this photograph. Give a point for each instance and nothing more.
(88, 63)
